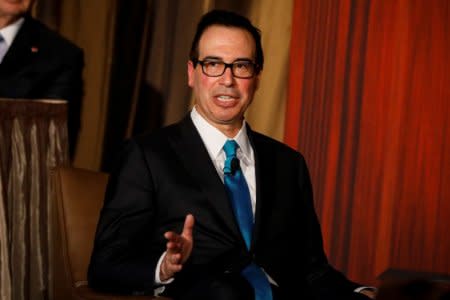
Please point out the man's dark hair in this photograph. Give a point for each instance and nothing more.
(228, 19)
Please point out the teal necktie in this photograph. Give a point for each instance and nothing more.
(239, 195)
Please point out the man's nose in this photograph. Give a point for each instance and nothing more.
(227, 77)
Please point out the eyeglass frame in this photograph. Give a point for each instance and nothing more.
(196, 61)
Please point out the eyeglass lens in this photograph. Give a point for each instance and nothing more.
(240, 69)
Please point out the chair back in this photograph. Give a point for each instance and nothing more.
(79, 199)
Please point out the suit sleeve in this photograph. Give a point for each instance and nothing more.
(126, 250)
(324, 281)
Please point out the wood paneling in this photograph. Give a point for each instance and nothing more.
(369, 107)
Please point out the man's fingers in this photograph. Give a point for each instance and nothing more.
(178, 248)
(172, 259)
(177, 268)
(173, 247)
(188, 226)
(171, 236)
(187, 230)
(171, 265)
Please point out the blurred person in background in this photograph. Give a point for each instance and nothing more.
(38, 63)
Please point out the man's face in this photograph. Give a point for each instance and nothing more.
(13, 9)
(223, 100)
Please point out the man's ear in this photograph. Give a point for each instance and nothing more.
(190, 71)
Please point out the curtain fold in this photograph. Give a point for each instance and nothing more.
(5, 275)
(28, 131)
(267, 112)
(90, 25)
(368, 108)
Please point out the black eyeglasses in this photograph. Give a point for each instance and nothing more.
(244, 69)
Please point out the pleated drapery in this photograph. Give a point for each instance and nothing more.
(369, 107)
(33, 138)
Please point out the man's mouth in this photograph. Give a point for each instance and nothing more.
(226, 98)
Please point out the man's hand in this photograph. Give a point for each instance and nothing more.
(179, 248)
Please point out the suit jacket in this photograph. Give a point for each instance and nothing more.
(41, 64)
(162, 177)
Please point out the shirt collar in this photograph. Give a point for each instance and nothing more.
(214, 139)
(9, 32)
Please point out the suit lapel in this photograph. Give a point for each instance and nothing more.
(193, 154)
(264, 182)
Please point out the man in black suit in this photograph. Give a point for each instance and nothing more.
(39, 63)
(169, 222)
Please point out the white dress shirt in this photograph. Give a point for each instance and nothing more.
(214, 140)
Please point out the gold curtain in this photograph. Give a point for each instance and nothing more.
(166, 71)
(5, 275)
(266, 114)
(33, 135)
(90, 25)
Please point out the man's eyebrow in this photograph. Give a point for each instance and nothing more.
(219, 58)
(243, 59)
(212, 58)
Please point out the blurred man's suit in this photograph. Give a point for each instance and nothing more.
(41, 64)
